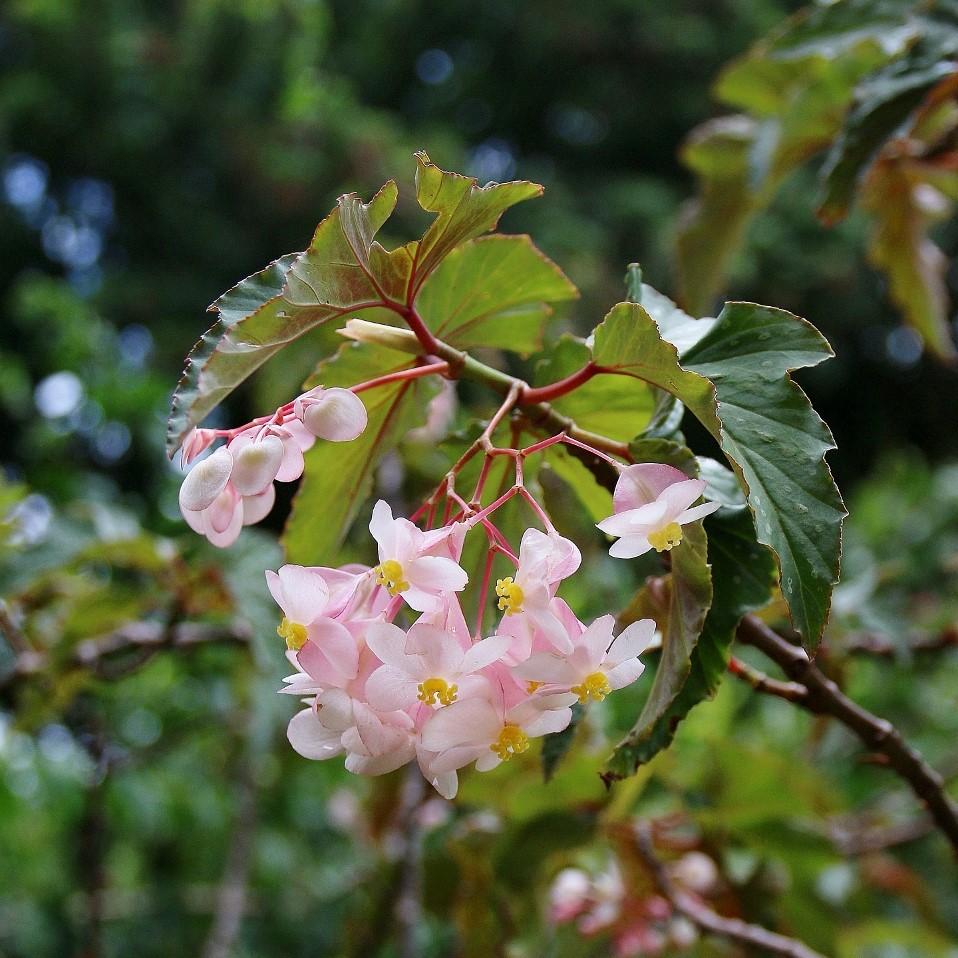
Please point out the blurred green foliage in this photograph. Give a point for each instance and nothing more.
(154, 154)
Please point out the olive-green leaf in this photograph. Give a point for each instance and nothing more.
(494, 291)
(681, 615)
(743, 576)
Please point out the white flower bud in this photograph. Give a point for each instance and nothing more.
(339, 415)
(206, 480)
(392, 337)
(255, 465)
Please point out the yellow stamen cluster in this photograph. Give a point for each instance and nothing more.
(293, 633)
(666, 538)
(595, 686)
(512, 741)
(390, 575)
(510, 596)
(437, 691)
(532, 686)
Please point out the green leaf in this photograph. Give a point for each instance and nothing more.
(682, 611)
(556, 745)
(885, 102)
(594, 497)
(493, 291)
(712, 226)
(197, 391)
(344, 272)
(902, 249)
(736, 382)
(464, 210)
(339, 476)
(617, 407)
(777, 443)
(743, 576)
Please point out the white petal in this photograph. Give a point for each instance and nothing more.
(381, 525)
(548, 722)
(698, 512)
(546, 667)
(311, 739)
(436, 574)
(633, 641)
(455, 758)
(630, 547)
(683, 494)
(625, 673)
(339, 416)
(447, 784)
(206, 480)
(487, 761)
(597, 638)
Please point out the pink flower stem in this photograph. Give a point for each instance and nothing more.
(569, 441)
(484, 589)
(501, 501)
(432, 367)
(543, 444)
(555, 390)
(537, 509)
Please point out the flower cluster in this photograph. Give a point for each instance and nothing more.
(600, 903)
(233, 487)
(436, 693)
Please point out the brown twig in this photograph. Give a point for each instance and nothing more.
(790, 691)
(825, 698)
(145, 638)
(872, 643)
(704, 917)
(862, 840)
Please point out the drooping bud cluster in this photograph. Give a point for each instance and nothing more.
(383, 696)
(234, 487)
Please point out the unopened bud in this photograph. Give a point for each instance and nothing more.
(206, 480)
(403, 340)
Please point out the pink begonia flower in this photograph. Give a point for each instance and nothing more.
(608, 892)
(597, 665)
(545, 559)
(374, 743)
(304, 595)
(413, 563)
(569, 895)
(427, 665)
(651, 503)
(483, 731)
(334, 414)
(525, 637)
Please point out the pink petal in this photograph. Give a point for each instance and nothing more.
(306, 593)
(546, 667)
(257, 508)
(255, 465)
(440, 650)
(388, 643)
(466, 722)
(625, 673)
(597, 638)
(548, 722)
(643, 483)
(389, 689)
(381, 526)
(293, 464)
(226, 537)
(484, 653)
